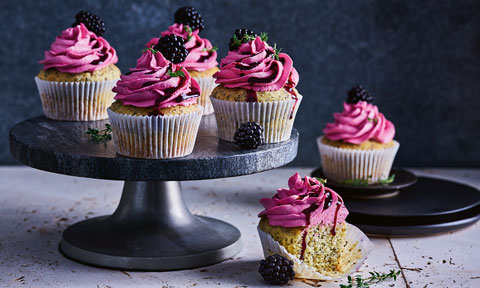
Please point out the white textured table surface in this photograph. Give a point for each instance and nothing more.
(36, 206)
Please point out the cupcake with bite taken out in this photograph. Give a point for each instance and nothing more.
(78, 72)
(306, 223)
(201, 62)
(156, 115)
(256, 84)
(358, 147)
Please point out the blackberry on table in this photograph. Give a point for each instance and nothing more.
(233, 45)
(357, 94)
(249, 135)
(189, 16)
(172, 48)
(93, 22)
(276, 269)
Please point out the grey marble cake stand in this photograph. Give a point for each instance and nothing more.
(152, 228)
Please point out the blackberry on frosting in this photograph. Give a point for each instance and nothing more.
(172, 48)
(238, 38)
(357, 94)
(93, 22)
(189, 16)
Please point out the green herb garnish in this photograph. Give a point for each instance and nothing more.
(374, 278)
(246, 38)
(357, 182)
(150, 49)
(387, 180)
(276, 51)
(321, 180)
(178, 73)
(373, 120)
(189, 31)
(214, 48)
(100, 135)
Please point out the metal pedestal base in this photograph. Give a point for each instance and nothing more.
(152, 229)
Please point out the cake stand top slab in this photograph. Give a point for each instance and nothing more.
(63, 147)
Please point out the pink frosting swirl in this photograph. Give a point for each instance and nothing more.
(306, 203)
(200, 56)
(253, 67)
(150, 85)
(79, 50)
(360, 122)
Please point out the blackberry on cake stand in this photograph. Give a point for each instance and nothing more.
(152, 228)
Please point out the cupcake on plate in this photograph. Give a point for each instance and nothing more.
(256, 84)
(156, 115)
(78, 72)
(306, 223)
(358, 145)
(201, 62)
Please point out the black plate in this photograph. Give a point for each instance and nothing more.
(403, 179)
(430, 206)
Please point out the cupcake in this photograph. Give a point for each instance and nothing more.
(156, 115)
(358, 147)
(256, 84)
(306, 223)
(78, 72)
(201, 62)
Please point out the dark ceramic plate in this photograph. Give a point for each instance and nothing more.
(428, 207)
(403, 179)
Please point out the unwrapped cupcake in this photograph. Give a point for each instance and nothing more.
(358, 146)
(156, 115)
(256, 84)
(78, 72)
(201, 62)
(306, 223)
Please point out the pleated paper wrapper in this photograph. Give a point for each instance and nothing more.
(76, 101)
(355, 238)
(276, 117)
(155, 137)
(340, 164)
(207, 84)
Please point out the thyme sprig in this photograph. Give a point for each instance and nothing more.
(214, 48)
(357, 182)
(387, 180)
(189, 32)
(373, 120)
(246, 38)
(375, 277)
(150, 49)
(276, 51)
(100, 135)
(178, 73)
(321, 180)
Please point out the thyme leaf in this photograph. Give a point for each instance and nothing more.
(100, 135)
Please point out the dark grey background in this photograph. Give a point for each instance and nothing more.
(420, 59)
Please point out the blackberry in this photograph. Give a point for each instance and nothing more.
(276, 270)
(233, 45)
(93, 22)
(357, 94)
(171, 47)
(189, 16)
(249, 135)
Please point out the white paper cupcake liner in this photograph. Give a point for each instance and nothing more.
(155, 137)
(76, 101)
(207, 84)
(340, 164)
(275, 117)
(355, 238)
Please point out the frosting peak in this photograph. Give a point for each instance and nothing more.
(152, 83)
(360, 122)
(201, 55)
(307, 202)
(254, 66)
(79, 50)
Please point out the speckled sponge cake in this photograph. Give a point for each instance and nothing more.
(111, 72)
(118, 107)
(366, 145)
(240, 95)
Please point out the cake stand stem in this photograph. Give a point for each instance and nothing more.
(151, 229)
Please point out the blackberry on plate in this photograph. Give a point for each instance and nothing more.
(276, 269)
(357, 94)
(189, 16)
(234, 44)
(249, 135)
(172, 48)
(93, 22)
